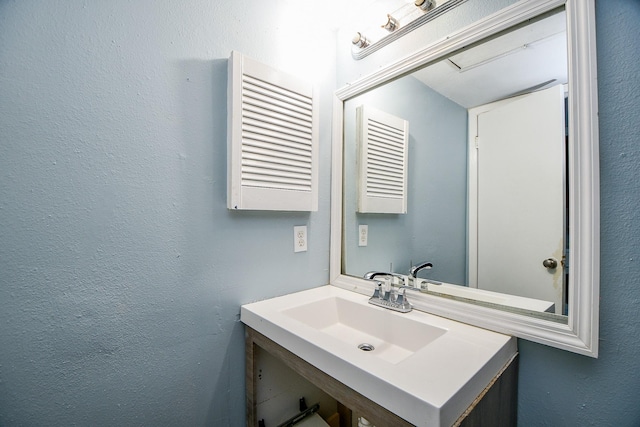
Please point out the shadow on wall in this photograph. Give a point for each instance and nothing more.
(200, 155)
(228, 397)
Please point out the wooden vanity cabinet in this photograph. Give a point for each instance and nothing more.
(495, 406)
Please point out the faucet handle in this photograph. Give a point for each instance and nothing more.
(377, 293)
(401, 299)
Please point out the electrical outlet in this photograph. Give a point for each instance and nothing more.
(363, 235)
(300, 238)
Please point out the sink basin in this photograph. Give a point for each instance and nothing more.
(390, 338)
(424, 368)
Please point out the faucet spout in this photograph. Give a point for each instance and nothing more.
(413, 272)
(416, 269)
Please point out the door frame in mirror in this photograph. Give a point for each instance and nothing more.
(579, 334)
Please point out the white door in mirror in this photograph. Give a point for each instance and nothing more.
(521, 217)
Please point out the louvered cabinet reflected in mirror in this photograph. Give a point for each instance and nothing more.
(382, 161)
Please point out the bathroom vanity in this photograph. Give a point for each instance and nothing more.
(417, 369)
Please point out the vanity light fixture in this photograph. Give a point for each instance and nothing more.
(399, 22)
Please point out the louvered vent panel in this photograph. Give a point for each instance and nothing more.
(277, 131)
(382, 140)
(385, 160)
(273, 142)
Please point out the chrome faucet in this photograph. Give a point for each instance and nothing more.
(386, 298)
(413, 272)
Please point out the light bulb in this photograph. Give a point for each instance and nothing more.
(423, 4)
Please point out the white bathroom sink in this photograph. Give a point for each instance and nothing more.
(390, 338)
(424, 368)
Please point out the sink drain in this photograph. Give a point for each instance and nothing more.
(366, 347)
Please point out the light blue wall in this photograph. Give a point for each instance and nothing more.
(121, 270)
(434, 227)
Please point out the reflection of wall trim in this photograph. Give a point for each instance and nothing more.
(359, 53)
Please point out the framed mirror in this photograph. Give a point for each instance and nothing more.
(510, 225)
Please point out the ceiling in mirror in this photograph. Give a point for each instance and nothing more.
(529, 57)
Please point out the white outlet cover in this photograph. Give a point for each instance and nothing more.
(300, 238)
(363, 235)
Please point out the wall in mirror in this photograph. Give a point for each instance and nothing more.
(434, 226)
(469, 212)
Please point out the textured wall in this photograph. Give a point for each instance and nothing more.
(559, 388)
(121, 270)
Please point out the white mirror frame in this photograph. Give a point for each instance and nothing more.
(580, 333)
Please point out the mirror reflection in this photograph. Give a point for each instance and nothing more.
(486, 173)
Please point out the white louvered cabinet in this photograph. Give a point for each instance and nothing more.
(272, 143)
(382, 161)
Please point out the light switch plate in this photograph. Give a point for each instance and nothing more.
(300, 238)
